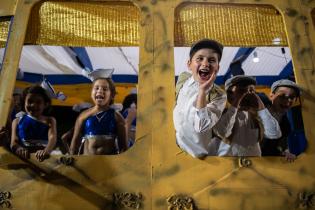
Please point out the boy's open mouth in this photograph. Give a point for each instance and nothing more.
(204, 74)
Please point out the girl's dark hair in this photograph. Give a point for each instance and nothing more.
(38, 90)
(128, 100)
(112, 88)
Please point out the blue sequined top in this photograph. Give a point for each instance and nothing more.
(103, 123)
(32, 132)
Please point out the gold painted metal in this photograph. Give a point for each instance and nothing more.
(82, 23)
(5, 199)
(180, 202)
(128, 200)
(244, 162)
(313, 16)
(155, 166)
(306, 200)
(7, 7)
(232, 25)
(66, 160)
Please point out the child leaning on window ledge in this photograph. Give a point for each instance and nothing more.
(283, 94)
(33, 131)
(199, 102)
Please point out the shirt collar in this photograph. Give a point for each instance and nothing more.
(191, 81)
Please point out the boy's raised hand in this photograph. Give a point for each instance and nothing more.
(261, 105)
(207, 84)
(238, 97)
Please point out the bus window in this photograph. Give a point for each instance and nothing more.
(67, 55)
(261, 115)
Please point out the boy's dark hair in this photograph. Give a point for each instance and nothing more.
(206, 43)
(38, 90)
(112, 88)
(128, 100)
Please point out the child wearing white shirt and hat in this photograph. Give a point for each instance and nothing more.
(199, 102)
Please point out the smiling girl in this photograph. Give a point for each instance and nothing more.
(100, 125)
(34, 132)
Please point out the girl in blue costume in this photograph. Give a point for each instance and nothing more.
(34, 132)
(129, 112)
(100, 125)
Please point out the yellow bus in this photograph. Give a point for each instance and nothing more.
(56, 39)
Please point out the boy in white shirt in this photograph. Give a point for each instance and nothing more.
(199, 102)
(284, 93)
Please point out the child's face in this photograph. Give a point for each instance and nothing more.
(203, 64)
(101, 94)
(283, 98)
(34, 104)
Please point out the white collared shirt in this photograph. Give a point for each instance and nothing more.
(245, 137)
(194, 126)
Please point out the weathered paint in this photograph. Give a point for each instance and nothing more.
(155, 166)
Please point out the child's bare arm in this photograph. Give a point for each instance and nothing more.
(76, 135)
(66, 139)
(52, 139)
(132, 114)
(52, 135)
(121, 132)
(14, 138)
(15, 146)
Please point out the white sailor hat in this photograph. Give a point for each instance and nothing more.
(51, 92)
(98, 73)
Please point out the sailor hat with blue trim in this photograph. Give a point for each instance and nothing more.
(98, 73)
